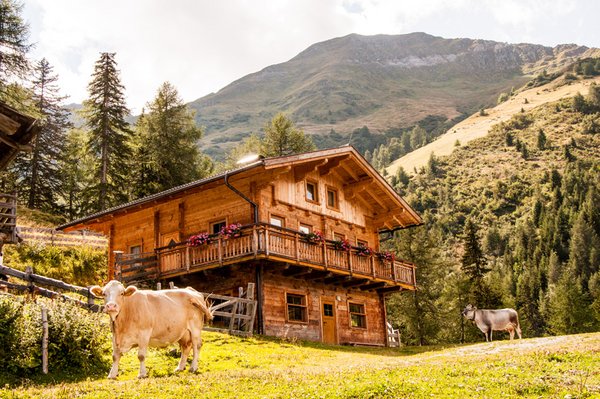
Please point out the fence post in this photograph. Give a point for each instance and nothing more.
(158, 286)
(171, 285)
(29, 272)
(250, 308)
(90, 300)
(44, 340)
(233, 314)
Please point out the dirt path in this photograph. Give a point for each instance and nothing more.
(477, 126)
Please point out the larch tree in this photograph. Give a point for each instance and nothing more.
(38, 171)
(105, 112)
(283, 138)
(166, 143)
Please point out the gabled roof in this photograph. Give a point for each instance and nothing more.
(16, 131)
(346, 158)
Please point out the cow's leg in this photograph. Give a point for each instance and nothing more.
(114, 370)
(519, 331)
(196, 345)
(490, 332)
(485, 334)
(511, 331)
(186, 345)
(142, 350)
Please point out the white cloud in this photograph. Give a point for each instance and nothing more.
(201, 46)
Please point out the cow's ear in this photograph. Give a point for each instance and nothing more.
(130, 290)
(96, 290)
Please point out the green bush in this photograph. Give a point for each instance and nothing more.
(78, 339)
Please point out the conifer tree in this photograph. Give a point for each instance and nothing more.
(14, 33)
(283, 138)
(473, 260)
(105, 113)
(39, 173)
(167, 152)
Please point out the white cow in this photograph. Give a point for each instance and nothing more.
(494, 320)
(146, 318)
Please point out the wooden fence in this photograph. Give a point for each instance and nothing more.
(393, 336)
(32, 279)
(232, 315)
(57, 238)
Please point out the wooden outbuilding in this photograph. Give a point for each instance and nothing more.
(304, 228)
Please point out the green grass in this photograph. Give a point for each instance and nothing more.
(268, 368)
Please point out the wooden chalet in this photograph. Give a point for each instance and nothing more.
(309, 289)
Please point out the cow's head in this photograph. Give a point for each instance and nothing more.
(469, 312)
(113, 294)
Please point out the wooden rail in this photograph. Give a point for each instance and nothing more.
(57, 238)
(32, 279)
(261, 241)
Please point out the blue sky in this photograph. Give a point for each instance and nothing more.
(201, 45)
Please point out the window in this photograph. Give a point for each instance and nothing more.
(328, 309)
(304, 228)
(277, 221)
(338, 236)
(135, 249)
(312, 192)
(216, 227)
(332, 198)
(361, 243)
(296, 308)
(358, 317)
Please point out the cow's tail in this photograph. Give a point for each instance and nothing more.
(202, 304)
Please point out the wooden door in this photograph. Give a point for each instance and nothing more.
(170, 259)
(328, 320)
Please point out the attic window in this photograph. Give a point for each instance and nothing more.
(332, 199)
(312, 192)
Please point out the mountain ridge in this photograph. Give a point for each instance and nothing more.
(379, 81)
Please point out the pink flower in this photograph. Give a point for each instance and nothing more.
(199, 239)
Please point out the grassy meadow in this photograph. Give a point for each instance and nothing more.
(259, 367)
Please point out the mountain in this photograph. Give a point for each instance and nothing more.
(381, 81)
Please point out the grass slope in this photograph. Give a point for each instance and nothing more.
(266, 368)
(477, 126)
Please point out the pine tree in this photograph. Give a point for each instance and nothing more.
(473, 260)
(167, 153)
(105, 113)
(541, 140)
(14, 33)
(39, 174)
(283, 138)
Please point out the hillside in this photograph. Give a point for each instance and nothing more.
(565, 366)
(377, 81)
(477, 125)
(525, 199)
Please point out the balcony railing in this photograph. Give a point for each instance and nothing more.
(262, 241)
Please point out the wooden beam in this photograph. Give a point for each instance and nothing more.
(337, 279)
(12, 143)
(295, 270)
(348, 169)
(372, 286)
(301, 171)
(386, 290)
(331, 165)
(354, 283)
(318, 274)
(378, 200)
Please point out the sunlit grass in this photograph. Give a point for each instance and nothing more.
(268, 368)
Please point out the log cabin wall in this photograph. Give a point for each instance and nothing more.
(275, 288)
(286, 198)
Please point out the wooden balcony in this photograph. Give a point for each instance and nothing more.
(264, 241)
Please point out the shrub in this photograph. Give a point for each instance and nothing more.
(591, 123)
(502, 97)
(78, 339)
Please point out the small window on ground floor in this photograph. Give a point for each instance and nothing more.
(358, 317)
(296, 308)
